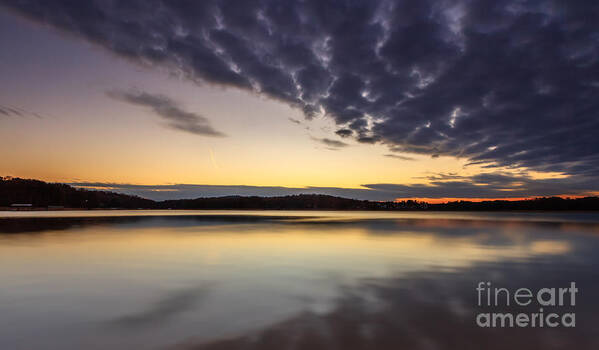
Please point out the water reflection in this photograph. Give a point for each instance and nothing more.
(164, 310)
(285, 280)
(435, 311)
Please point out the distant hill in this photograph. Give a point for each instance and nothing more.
(294, 202)
(41, 194)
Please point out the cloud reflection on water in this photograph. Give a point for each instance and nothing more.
(425, 311)
(165, 309)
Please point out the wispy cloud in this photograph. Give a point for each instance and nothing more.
(397, 156)
(176, 117)
(486, 185)
(10, 111)
(331, 144)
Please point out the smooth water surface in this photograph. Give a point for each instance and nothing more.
(286, 280)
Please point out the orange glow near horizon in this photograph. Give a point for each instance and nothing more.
(455, 199)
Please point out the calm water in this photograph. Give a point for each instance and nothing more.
(286, 280)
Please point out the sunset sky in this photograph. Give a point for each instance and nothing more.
(376, 100)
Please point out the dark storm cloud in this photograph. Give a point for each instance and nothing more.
(510, 83)
(176, 117)
(485, 185)
(344, 132)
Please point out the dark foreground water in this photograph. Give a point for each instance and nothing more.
(290, 280)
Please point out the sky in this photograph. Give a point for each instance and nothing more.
(378, 100)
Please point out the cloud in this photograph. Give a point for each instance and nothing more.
(505, 83)
(183, 191)
(489, 185)
(344, 132)
(176, 117)
(332, 144)
(294, 121)
(485, 185)
(397, 156)
(9, 111)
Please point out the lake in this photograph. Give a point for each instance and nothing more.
(290, 279)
